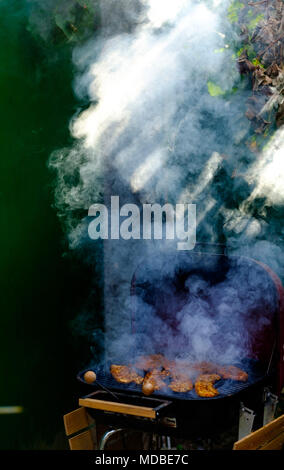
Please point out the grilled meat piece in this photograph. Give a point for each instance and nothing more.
(125, 374)
(181, 383)
(204, 385)
(137, 378)
(204, 367)
(152, 361)
(233, 373)
(152, 381)
(165, 373)
(158, 369)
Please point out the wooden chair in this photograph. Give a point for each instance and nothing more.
(85, 434)
(82, 434)
(80, 429)
(269, 437)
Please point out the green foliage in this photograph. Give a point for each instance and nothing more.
(257, 63)
(214, 90)
(234, 10)
(250, 53)
(254, 22)
(240, 51)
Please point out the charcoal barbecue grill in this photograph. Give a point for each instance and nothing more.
(169, 413)
(186, 414)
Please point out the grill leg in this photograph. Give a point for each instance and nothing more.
(270, 404)
(169, 444)
(246, 420)
(107, 435)
(165, 443)
(154, 442)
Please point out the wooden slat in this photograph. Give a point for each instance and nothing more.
(262, 436)
(83, 441)
(123, 408)
(75, 421)
(275, 444)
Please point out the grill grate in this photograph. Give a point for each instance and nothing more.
(225, 388)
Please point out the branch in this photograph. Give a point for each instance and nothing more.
(268, 47)
(255, 4)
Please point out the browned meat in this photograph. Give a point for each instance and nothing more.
(181, 383)
(204, 367)
(153, 361)
(125, 374)
(158, 368)
(233, 373)
(204, 385)
(137, 378)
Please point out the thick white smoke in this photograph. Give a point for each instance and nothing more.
(268, 171)
(147, 90)
(153, 133)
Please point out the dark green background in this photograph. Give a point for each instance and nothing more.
(41, 289)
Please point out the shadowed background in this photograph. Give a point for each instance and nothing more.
(41, 288)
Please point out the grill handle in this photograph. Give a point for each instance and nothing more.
(124, 408)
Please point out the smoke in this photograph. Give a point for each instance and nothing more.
(153, 132)
(198, 311)
(149, 103)
(268, 172)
